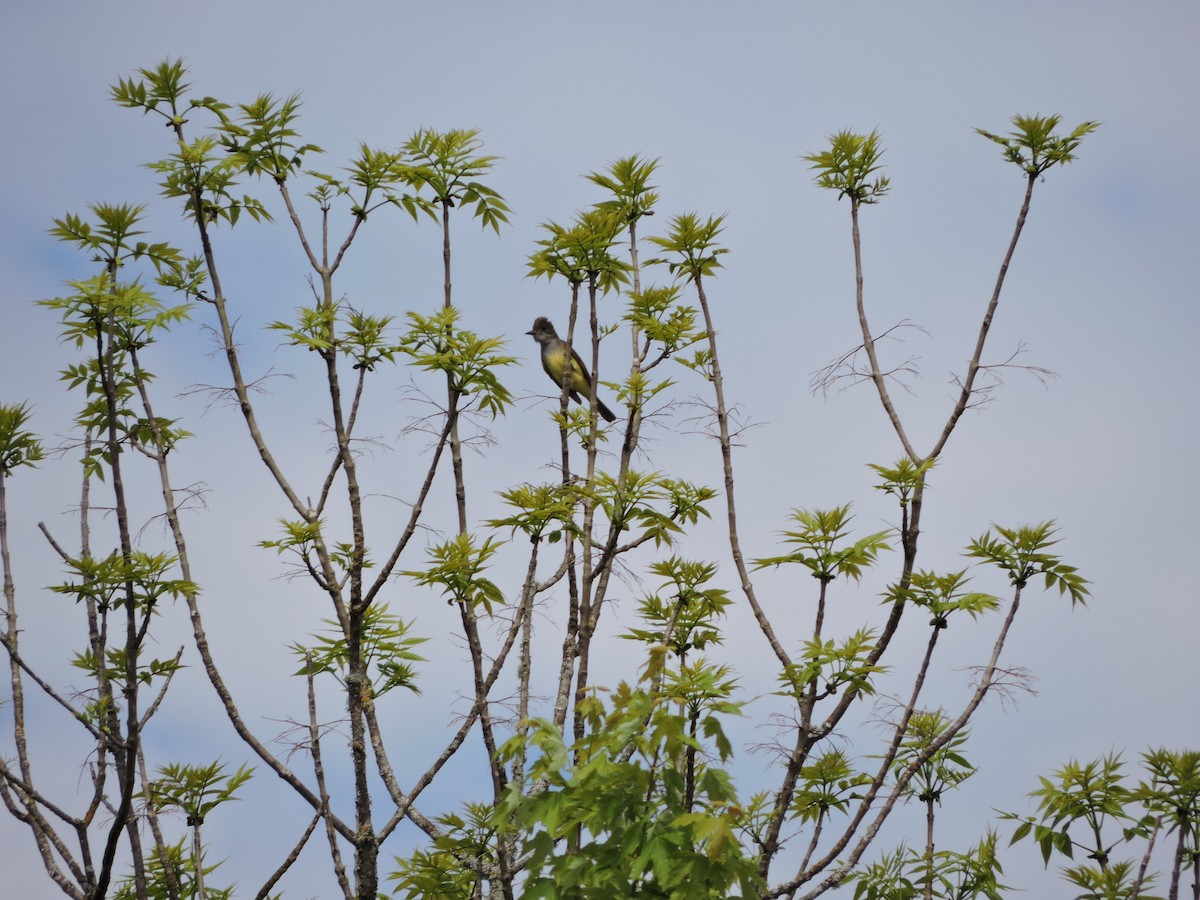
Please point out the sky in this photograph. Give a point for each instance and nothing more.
(729, 98)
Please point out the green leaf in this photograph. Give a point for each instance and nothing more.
(848, 164)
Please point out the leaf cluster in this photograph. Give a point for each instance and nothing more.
(946, 768)
(18, 447)
(384, 646)
(662, 320)
(196, 790)
(262, 140)
(685, 607)
(203, 175)
(907, 875)
(115, 580)
(451, 868)
(827, 784)
(942, 595)
(457, 566)
(613, 824)
(332, 328)
(848, 164)
(582, 252)
(649, 504)
(628, 180)
(902, 479)
(1091, 793)
(435, 343)
(843, 664)
(1034, 145)
(542, 510)
(1089, 806)
(112, 666)
(817, 545)
(446, 163)
(171, 877)
(691, 247)
(1021, 552)
(110, 237)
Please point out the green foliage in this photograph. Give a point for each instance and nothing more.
(946, 768)
(661, 320)
(686, 617)
(196, 790)
(582, 253)
(664, 328)
(902, 479)
(332, 328)
(364, 339)
(314, 328)
(940, 595)
(114, 320)
(815, 539)
(300, 537)
(376, 174)
(163, 84)
(827, 784)
(201, 172)
(204, 177)
(905, 874)
(626, 818)
(1091, 793)
(446, 872)
(577, 422)
(1090, 807)
(700, 362)
(101, 309)
(384, 645)
(115, 667)
(1115, 882)
(891, 878)
(690, 246)
(457, 566)
(649, 504)
(1035, 147)
(1173, 791)
(174, 877)
(305, 540)
(446, 164)
(1021, 552)
(436, 344)
(262, 139)
(848, 164)
(841, 665)
(628, 179)
(18, 447)
(376, 170)
(543, 510)
(115, 580)
(110, 238)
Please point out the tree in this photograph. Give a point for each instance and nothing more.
(594, 791)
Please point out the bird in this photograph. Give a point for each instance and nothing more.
(554, 356)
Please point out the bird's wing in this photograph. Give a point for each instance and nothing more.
(583, 370)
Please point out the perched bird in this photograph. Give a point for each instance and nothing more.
(554, 358)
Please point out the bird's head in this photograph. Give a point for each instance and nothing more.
(542, 328)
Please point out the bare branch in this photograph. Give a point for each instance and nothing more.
(847, 370)
(265, 890)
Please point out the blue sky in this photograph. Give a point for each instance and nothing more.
(1102, 291)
